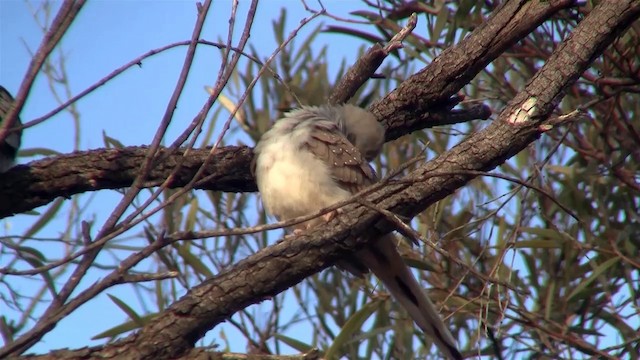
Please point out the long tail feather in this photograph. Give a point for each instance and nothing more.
(385, 262)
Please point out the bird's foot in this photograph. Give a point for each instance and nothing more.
(332, 215)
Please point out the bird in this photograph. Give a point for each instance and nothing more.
(10, 145)
(316, 156)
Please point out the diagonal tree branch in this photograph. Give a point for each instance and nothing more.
(26, 187)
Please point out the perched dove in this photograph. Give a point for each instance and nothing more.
(9, 146)
(317, 156)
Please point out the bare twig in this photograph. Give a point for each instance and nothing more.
(133, 63)
(135, 278)
(65, 16)
(416, 237)
(367, 64)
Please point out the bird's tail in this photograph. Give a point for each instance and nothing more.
(385, 262)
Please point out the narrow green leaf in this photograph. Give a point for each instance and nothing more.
(596, 272)
(110, 142)
(350, 328)
(549, 301)
(294, 343)
(355, 33)
(551, 234)
(308, 41)
(36, 259)
(45, 218)
(278, 26)
(190, 221)
(418, 264)
(193, 261)
(537, 244)
(27, 253)
(159, 293)
(127, 310)
(208, 133)
(36, 151)
(441, 21)
(6, 330)
(123, 328)
(585, 331)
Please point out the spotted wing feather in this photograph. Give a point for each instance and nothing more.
(348, 167)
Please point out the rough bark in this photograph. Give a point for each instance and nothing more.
(38, 183)
(26, 187)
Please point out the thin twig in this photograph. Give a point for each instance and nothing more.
(416, 237)
(136, 62)
(136, 278)
(495, 175)
(367, 65)
(65, 16)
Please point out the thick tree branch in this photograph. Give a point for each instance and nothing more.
(26, 187)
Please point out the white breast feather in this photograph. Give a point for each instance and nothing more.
(292, 181)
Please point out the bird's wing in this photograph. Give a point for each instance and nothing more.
(345, 162)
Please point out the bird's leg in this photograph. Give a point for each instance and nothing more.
(332, 214)
(329, 216)
(300, 228)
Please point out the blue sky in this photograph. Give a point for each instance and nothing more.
(107, 35)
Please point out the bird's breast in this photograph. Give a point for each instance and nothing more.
(293, 182)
